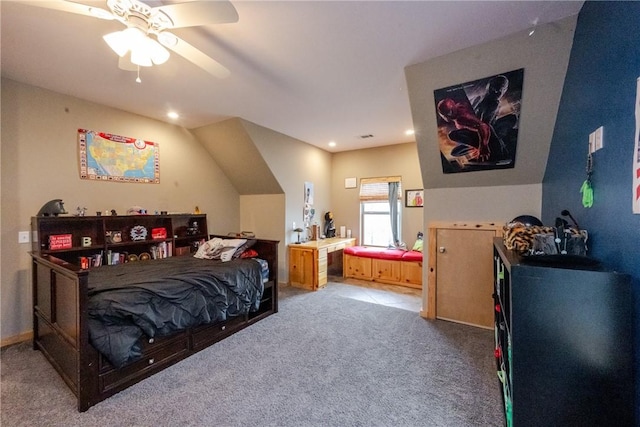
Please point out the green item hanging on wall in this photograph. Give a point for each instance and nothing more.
(587, 194)
(587, 189)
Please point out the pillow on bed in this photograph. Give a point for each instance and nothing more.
(249, 253)
(230, 248)
(217, 248)
(248, 244)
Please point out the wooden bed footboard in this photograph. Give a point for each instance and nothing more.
(61, 333)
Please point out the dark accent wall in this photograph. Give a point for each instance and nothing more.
(600, 90)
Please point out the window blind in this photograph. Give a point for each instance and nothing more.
(377, 189)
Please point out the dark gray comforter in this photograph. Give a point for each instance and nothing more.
(160, 297)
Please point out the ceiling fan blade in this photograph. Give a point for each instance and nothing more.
(72, 7)
(200, 59)
(196, 13)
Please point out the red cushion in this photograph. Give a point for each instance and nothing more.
(369, 252)
(412, 256)
(249, 253)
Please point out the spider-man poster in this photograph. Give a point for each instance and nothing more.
(478, 123)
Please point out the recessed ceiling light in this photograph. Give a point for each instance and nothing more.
(409, 132)
(173, 115)
(332, 144)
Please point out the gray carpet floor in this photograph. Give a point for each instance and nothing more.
(323, 360)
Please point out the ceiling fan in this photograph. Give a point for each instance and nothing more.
(147, 37)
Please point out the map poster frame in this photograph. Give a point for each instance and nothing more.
(129, 160)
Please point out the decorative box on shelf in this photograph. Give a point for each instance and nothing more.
(159, 233)
(183, 250)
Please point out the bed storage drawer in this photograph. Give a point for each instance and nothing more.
(171, 351)
(151, 344)
(148, 346)
(206, 335)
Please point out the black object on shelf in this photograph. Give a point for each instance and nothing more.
(560, 260)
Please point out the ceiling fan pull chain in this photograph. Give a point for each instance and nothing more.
(138, 78)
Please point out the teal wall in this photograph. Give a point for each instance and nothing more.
(600, 90)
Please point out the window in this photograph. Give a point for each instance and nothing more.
(376, 214)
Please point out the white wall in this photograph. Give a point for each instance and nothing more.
(498, 203)
(39, 163)
(392, 160)
(264, 215)
(293, 163)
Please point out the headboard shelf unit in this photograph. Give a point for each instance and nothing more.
(72, 237)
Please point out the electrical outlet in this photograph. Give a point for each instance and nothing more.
(23, 237)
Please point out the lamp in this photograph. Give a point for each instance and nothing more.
(298, 230)
(145, 51)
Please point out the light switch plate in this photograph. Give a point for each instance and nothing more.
(23, 237)
(592, 142)
(599, 137)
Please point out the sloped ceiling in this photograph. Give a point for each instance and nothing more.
(236, 154)
(316, 71)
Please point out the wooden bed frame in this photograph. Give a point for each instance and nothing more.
(61, 332)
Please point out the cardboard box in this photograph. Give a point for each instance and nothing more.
(183, 250)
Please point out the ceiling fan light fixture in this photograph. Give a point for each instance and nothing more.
(118, 42)
(149, 52)
(141, 58)
(157, 52)
(145, 51)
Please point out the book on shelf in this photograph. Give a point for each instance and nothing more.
(96, 259)
(160, 251)
(112, 258)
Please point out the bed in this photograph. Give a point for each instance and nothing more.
(106, 329)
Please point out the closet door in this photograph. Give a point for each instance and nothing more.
(464, 276)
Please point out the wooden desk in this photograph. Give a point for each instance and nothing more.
(308, 262)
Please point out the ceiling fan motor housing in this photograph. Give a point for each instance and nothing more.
(134, 13)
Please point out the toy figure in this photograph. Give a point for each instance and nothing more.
(53, 207)
(329, 228)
